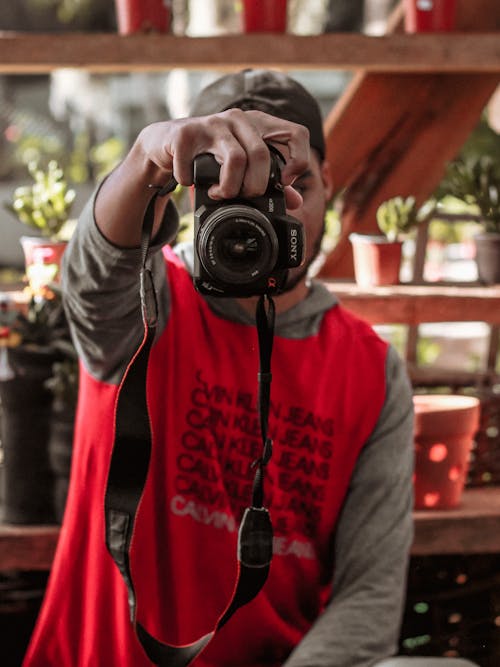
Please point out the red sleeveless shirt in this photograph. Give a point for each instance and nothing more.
(327, 393)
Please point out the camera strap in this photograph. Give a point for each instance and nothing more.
(131, 457)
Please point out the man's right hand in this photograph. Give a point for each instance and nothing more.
(236, 138)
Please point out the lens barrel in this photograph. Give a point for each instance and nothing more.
(237, 244)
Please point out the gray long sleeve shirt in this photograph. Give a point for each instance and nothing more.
(360, 624)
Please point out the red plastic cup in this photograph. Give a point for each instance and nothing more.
(430, 15)
(142, 16)
(264, 15)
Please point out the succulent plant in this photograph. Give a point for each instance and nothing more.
(476, 182)
(46, 204)
(397, 216)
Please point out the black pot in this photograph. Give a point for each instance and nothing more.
(21, 595)
(28, 484)
(60, 451)
(488, 258)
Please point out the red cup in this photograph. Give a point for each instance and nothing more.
(264, 15)
(142, 16)
(430, 15)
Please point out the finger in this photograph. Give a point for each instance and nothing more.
(290, 138)
(258, 164)
(297, 153)
(233, 163)
(293, 198)
(212, 134)
(191, 138)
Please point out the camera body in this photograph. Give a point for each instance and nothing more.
(243, 247)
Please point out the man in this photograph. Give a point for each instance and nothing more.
(339, 483)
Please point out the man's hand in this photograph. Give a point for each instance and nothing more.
(236, 138)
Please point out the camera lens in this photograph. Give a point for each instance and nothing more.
(237, 244)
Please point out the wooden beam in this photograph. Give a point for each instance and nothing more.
(22, 53)
(474, 527)
(414, 304)
(27, 547)
(471, 528)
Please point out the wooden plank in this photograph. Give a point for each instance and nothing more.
(22, 53)
(472, 528)
(414, 304)
(27, 547)
(434, 376)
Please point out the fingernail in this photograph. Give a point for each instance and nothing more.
(213, 194)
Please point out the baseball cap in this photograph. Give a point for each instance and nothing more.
(269, 91)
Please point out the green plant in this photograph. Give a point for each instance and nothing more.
(476, 182)
(398, 216)
(46, 204)
(66, 10)
(42, 326)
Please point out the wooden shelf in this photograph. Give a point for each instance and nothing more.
(27, 547)
(414, 304)
(472, 528)
(22, 53)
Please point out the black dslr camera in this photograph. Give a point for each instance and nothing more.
(243, 247)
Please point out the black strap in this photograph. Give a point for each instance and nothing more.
(265, 316)
(130, 463)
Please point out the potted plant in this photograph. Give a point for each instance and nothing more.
(430, 15)
(63, 385)
(445, 425)
(31, 343)
(377, 257)
(265, 16)
(142, 16)
(475, 180)
(45, 206)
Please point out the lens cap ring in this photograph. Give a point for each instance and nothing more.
(237, 244)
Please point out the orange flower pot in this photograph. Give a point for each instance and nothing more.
(430, 15)
(43, 261)
(377, 261)
(264, 15)
(445, 426)
(142, 16)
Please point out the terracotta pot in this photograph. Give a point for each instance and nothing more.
(264, 15)
(430, 15)
(377, 261)
(445, 426)
(488, 258)
(142, 16)
(43, 261)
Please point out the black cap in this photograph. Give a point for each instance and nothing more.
(268, 91)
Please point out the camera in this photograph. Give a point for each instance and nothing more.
(243, 247)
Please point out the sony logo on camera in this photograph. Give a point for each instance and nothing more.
(243, 247)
